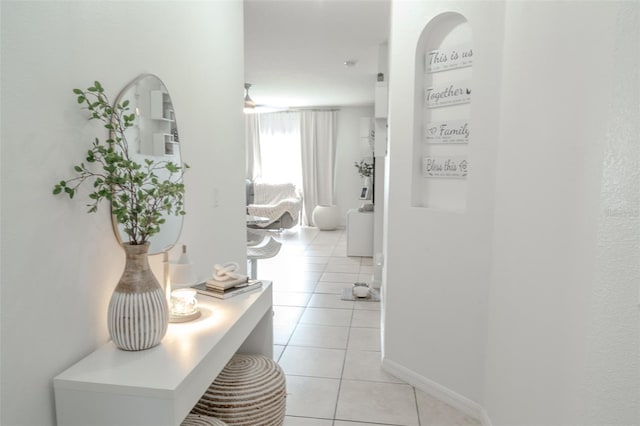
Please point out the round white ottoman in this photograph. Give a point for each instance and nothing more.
(249, 391)
(326, 218)
(198, 420)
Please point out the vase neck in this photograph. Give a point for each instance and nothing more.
(137, 256)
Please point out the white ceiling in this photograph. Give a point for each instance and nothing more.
(295, 50)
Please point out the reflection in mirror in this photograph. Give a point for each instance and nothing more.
(153, 136)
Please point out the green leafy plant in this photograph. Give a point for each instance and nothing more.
(139, 197)
(365, 169)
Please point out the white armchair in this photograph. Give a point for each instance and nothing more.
(280, 203)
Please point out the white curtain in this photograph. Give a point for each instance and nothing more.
(280, 147)
(318, 139)
(252, 140)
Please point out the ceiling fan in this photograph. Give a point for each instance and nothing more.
(250, 107)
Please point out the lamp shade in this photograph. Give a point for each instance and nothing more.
(248, 102)
(182, 274)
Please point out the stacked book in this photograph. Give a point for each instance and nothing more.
(228, 288)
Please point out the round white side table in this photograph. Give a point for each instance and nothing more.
(326, 218)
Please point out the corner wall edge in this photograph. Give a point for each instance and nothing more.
(436, 390)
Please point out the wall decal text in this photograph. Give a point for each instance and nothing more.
(448, 58)
(453, 93)
(445, 167)
(457, 131)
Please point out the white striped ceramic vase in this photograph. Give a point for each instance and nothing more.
(138, 313)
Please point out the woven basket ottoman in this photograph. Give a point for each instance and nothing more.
(249, 391)
(198, 420)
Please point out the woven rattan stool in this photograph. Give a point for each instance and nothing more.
(198, 420)
(249, 391)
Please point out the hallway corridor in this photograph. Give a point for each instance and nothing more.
(330, 348)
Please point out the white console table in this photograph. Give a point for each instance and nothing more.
(159, 386)
(359, 233)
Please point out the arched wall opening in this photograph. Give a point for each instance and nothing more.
(442, 114)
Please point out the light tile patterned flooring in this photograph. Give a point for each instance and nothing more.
(330, 348)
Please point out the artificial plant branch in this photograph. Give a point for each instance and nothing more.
(139, 198)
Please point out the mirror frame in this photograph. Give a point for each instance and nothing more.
(114, 223)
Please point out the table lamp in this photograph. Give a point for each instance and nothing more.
(183, 304)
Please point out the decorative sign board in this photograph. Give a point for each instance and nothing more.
(445, 167)
(449, 58)
(457, 131)
(452, 93)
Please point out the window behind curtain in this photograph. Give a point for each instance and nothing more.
(280, 148)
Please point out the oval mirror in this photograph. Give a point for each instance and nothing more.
(153, 136)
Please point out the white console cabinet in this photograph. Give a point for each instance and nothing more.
(159, 386)
(359, 233)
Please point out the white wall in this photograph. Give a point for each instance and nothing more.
(59, 264)
(525, 305)
(563, 343)
(378, 215)
(438, 262)
(348, 151)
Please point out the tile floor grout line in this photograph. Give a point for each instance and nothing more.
(415, 398)
(317, 347)
(344, 360)
(313, 377)
(294, 329)
(335, 409)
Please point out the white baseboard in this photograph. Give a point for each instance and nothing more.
(436, 390)
(485, 420)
